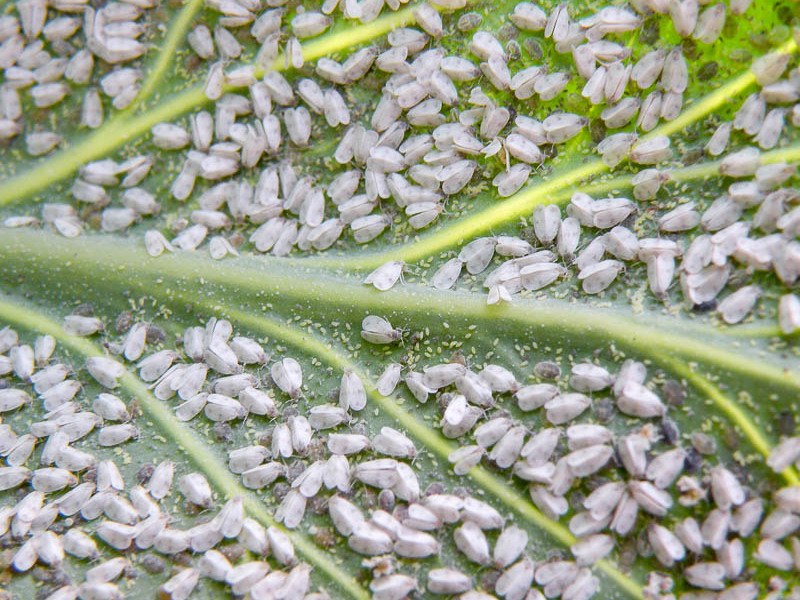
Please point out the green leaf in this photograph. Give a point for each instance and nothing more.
(732, 387)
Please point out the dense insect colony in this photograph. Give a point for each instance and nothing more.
(432, 133)
(328, 463)
(615, 470)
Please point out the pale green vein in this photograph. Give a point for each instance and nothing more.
(286, 283)
(197, 449)
(102, 257)
(429, 438)
(166, 55)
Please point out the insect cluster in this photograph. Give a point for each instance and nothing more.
(556, 435)
(432, 134)
(596, 449)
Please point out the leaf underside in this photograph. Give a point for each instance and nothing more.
(730, 390)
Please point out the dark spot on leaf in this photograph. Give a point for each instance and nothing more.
(153, 564)
(325, 538)
(318, 505)
(597, 129)
(279, 490)
(386, 500)
(489, 578)
(547, 370)
(507, 32)
(693, 460)
(785, 424)
(90, 476)
(237, 240)
(469, 21)
(316, 450)
(703, 443)
(265, 438)
(759, 39)
(650, 33)
(670, 431)
(705, 306)
(529, 235)
(192, 62)
(690, 49)
(604, 409)
(550, 150)
(83, 310)
(234, 552)
(627, 552)
(674, 393)
(222, 432)
(434, 488)
(707, 70)
(730, 437)
(144, 473)
(533, 48)
(124, 321)
(401, 513)
(155, 334)
(740, 55)
(787, 11)
(55, 577)
(295, 470)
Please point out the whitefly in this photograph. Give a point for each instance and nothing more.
(736, 306)
(568, 237)
(443, 375)
(770, 67)
(551, 85)
(742, 163)
(496, 71)
(288, 376)
(368, 228)
(671, 104)
(528, 17)
(182, 584)
(789, 313)
(408, 37)
(523, 83)
(417, 387)
(261, 476)
(616, 147)
(490, 432)
(448, 581)
(508, 448)
(616, 81)
(326, 416)
(352, 394)
(475, 389)
(771, 129)
(511, 181)
(41, 142)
